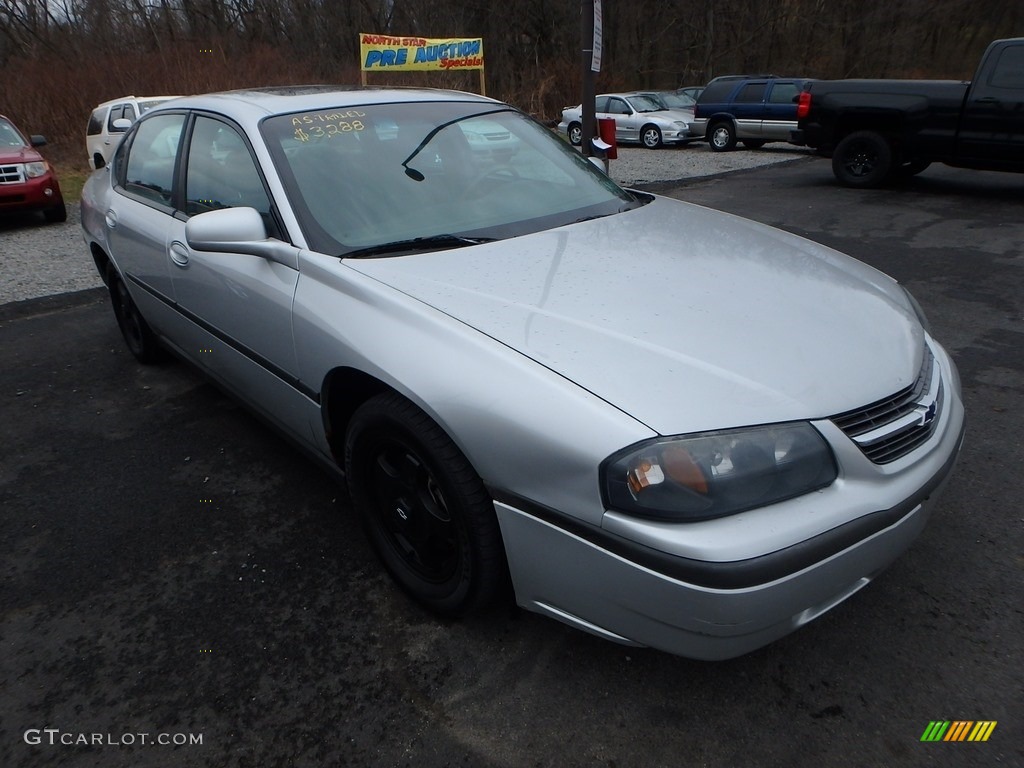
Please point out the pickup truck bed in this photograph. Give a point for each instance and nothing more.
(877, 129)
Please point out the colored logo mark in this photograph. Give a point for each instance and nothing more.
(958, 730)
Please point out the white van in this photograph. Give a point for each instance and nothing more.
(102, 136)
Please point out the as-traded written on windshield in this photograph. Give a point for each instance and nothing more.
(321, 124)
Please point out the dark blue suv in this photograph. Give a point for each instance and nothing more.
(751, 109)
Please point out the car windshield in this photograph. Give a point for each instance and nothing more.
(645, 104)
(676, 100)
(9, 136)
(383, 178)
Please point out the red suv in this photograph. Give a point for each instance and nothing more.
(27, 182)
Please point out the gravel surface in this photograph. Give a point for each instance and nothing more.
(38, 259)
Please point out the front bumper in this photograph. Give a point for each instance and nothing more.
(677, 137)
(638, 594)
(31, 194)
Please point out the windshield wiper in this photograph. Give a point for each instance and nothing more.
(431, 243)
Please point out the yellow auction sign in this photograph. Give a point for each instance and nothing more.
(389, 53)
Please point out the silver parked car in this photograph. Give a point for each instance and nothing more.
(639, 119)
(523, 375)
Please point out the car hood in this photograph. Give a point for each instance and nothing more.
(19, 155)
(674, 114)
(686, 318)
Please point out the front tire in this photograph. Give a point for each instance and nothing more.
(425, 510)
(650, 135)
(722, 137)
(141, 340)
(575, 133)
(862, 160)
(56, 214)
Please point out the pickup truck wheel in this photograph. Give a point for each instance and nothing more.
(722, 137)
(424, 508)
(575, 132)
(863, 159)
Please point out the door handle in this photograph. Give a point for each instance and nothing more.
(178, 253)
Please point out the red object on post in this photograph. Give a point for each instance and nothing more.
(606, 131)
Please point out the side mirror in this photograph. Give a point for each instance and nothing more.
(36, 140)
(122, 124)
(237, 230)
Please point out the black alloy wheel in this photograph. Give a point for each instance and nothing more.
(423, 506)
(863, 159)
(141, 340)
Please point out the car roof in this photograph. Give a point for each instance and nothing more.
(135, 98)
(257, 103)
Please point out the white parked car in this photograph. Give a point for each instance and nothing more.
(663, 425)
(104, 131)
(639, 119)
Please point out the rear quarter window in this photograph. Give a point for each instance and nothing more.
(95, 127)
(783, 93)
(716, 92)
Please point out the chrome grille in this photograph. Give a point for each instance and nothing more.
(12, 174)
(892, 427)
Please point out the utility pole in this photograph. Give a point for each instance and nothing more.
(587, 62)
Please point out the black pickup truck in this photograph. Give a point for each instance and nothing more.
(877, 130)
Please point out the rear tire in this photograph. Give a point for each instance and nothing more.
(141, 340)
(862, 160)
(424, 508)
(722, 137)
(575, 133)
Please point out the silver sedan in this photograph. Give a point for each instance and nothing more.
(523, 377)
(639, 119)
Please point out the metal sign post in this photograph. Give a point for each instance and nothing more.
(590, 59)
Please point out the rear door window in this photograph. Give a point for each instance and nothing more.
(1009, 69)
(116, 113)
(751, 93)
(149, 170)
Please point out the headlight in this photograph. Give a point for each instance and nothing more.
(917, 310)
(712, 474)
(35, 170)
(679, 125)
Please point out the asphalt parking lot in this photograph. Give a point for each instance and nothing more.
(171, 566)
